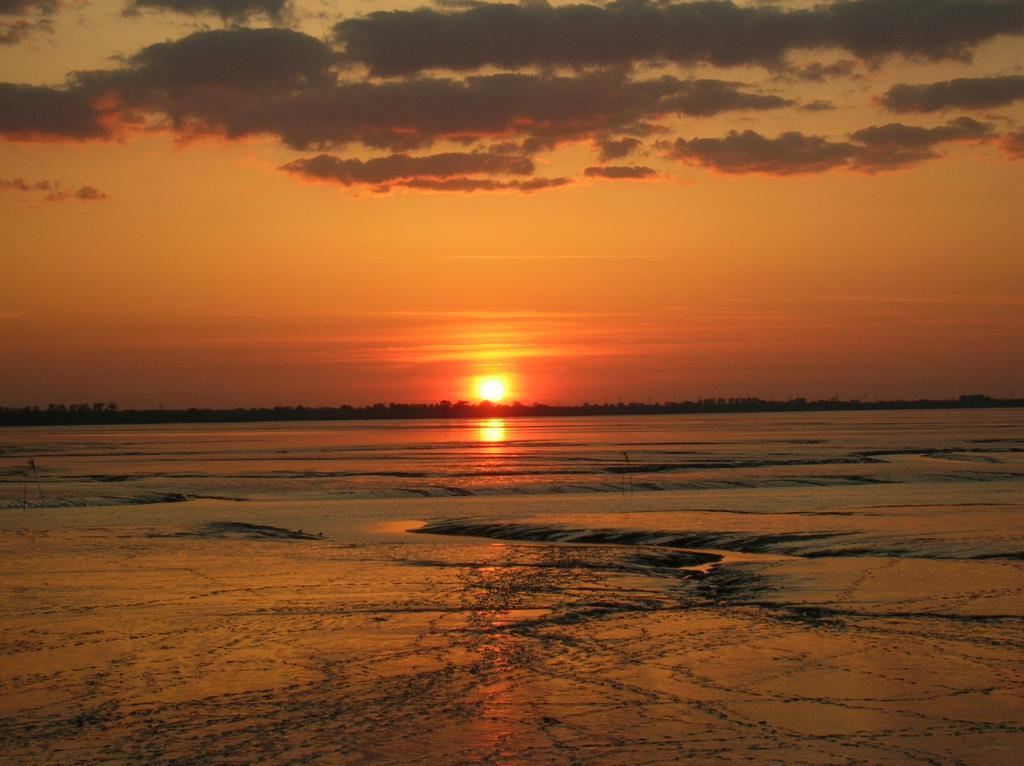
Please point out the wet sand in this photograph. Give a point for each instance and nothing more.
(184, 633)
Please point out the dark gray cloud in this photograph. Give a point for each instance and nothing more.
(475, 184)
(229, 10)
(20, 184)
(720, 32)
(925, 29)
(239, 82)
(416, 112)
(898, 134)
(382, 170)
(212, 81)
(37, 112)
(89, 194)
(790, 153)
(13, 32)
(240, 58)
(617, 148)
(619, 172)
(818, 105)
(442, 172)
(25, 7)
(892, 146)
(818, 72)
(873, 149)
(704, 98)
(81, 194)
(22, 18)
(54, 191)
(962, 93)
(1013, 144)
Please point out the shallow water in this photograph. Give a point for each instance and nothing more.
(812, 588)
(104, 465)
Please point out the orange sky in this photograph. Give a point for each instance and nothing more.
(771, 227)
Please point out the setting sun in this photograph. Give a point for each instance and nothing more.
(492, 390)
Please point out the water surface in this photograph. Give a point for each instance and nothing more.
(808, 588)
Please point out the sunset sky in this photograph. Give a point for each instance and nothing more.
(256, 202)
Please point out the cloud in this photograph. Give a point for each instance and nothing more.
(704, 98)
(474, 184)
(261, 59)
(239, 82)
(616, 149)
(1013, 145)
(89, 193)
(719, 32)
(877, 148)
(14, 31)
(619, 172)
(818, 105)
(962, 93)
(445, 172)
(396, 167)
(55, 192)
(749, 152)
(898, 134)
(20, 184)
(892, 146)
(21, 18)
(39, 112)
(229, 10)
(818, 72)
(416, 113)
(221, 81)
(24, 7)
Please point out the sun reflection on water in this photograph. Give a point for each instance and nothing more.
(492, 431)
(500, 655)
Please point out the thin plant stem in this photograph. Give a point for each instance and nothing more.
(39, 487)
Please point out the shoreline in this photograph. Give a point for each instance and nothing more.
(85, 416)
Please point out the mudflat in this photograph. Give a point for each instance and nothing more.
(802, 618)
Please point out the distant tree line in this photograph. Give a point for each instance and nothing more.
(109, 413)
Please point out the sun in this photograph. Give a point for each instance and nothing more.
(491, 389)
